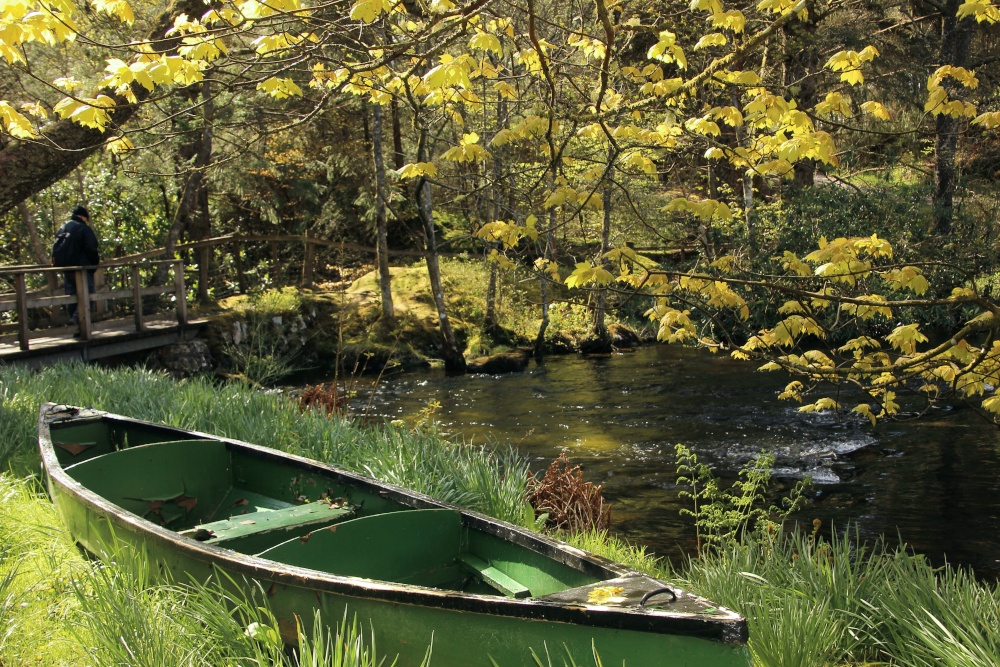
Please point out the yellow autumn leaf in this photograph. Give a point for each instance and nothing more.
(992, 404)
(606, 595)
(416, 169)
(280, 88)
(484, 41)
(703, 126)
(120, 146)
(712, 39)
(834, 103)
(730, 20)
(821, 405)
(666, 50)
(15, 124)
(905, 338)
(876, 109)
(118, 8)
(990, 120)
(984, 11)
(865, 410)
(366, 11)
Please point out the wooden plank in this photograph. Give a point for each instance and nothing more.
(22, 311)
(163, 289)
(11, 303)
(140, 326)
(493, 576)
(312, 514)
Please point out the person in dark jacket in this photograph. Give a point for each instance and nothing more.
(81, 250)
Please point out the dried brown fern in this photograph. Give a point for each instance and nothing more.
(571, 503)
(320, 396)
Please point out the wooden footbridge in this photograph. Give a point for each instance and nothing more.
(119, 317)
(140, 302)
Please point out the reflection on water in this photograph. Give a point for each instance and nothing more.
(933, 483)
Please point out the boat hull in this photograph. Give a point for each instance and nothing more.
(462, 629)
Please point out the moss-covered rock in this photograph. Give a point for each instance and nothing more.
(504, 362)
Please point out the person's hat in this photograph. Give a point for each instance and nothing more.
(80, 212)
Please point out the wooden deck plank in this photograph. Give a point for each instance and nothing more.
(108, 338)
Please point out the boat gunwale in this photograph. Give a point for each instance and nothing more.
(724, 625)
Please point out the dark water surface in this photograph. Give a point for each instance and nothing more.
(933, 482)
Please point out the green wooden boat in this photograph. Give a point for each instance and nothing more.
(312, 535)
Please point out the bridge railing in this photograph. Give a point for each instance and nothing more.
(118, 289)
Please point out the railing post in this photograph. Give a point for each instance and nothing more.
(83, 303)
(21, 287)
(140, 324)
(102, 306)
(308, 261)
(180, 296)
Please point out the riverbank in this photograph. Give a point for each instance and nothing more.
(341, 330)
(809, 601)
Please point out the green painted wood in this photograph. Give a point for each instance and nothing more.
(178, 484)
(268, 520)
(288, 483)
(541, 574)
(82, 440)
(494, 577)
(392, 547)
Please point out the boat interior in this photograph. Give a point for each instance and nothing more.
(274, 507)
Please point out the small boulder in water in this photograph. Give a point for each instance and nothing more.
(495, 364)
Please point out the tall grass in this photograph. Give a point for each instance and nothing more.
(56, 608)
(129, 617)
(491, 482)
(812, 602)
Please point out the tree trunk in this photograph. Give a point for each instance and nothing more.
(600, 327)
(382, 236)
(38, 250)
(491, 323)
(800, 67)
(956, 40)
(543, 286)
(454, 361)
(192, 213)
(27, 167)
(397, 136)
(747, 180)
(543, 278)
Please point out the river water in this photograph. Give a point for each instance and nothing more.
(933, 483)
